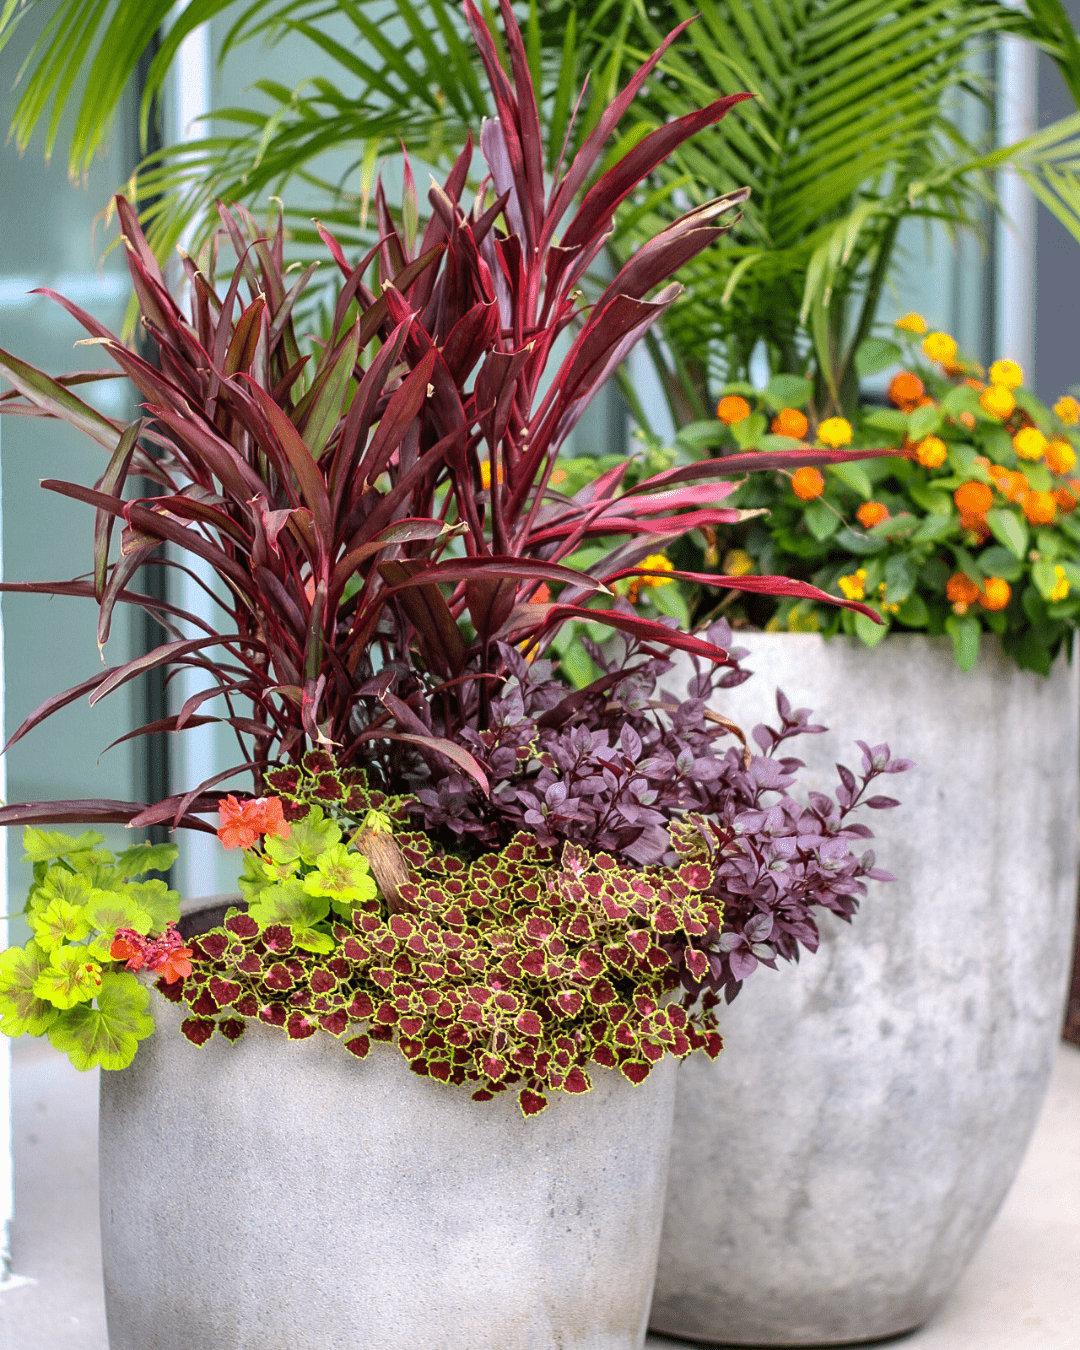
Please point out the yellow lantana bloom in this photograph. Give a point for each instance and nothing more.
(835, 432)
(1030, 443)
(853, 585)
(1007, 373)
(912, 323)
(940, 347)
(998, 399)
(1068, 409)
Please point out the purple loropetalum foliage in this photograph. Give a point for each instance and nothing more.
(622, 765)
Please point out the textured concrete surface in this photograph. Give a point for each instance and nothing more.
(1019, 1293)
(833, 1172)
(271, 1195)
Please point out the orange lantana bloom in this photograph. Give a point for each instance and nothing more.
(1040, 507)
(905, 390)
(732, 408)
(961, 590)
(973, 499)
(790, 422)
(807, 483)
(996, 593)
(872, 513)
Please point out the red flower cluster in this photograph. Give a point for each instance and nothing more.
(165, 956)
(244, 823)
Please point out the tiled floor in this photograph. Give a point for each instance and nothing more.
(1022, 1292)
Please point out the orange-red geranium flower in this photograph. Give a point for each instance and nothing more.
(243, 823)
(173, 965)
(123, 949)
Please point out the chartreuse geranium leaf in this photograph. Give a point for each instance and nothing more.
(343, 877)
(288, 903)
(109, 911)
(44, 845)
(69, 978)
(141, 858)
(60, 884)
(57, 923)
(158, 901)
(22, 1012)
(311, 940)
(308, 838)
(108, 1034)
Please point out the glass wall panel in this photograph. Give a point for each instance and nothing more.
(48, 238)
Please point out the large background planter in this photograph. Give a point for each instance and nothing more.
(834, 1170)
(271, 1195)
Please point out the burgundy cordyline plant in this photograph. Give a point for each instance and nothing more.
(392, 560)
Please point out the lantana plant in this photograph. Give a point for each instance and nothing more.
(970, 527)
(382, 510)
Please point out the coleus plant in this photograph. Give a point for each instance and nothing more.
(379, 510)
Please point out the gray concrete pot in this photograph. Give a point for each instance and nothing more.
(271, 1195)
(835, 1169)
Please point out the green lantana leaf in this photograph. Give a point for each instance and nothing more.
(59, 922)
(288, 903)
(140, 858)
(44, 845)
(22, 1012)
(308, 838)
(69, 978)
(155, 898)
(108, 1034)
(343, 877)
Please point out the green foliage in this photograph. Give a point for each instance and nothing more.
(65, 982)
(508, 969)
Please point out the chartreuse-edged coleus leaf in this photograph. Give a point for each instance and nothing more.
(109, 1033)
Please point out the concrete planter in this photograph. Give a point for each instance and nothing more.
(277, 1196)
(833, 1172)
